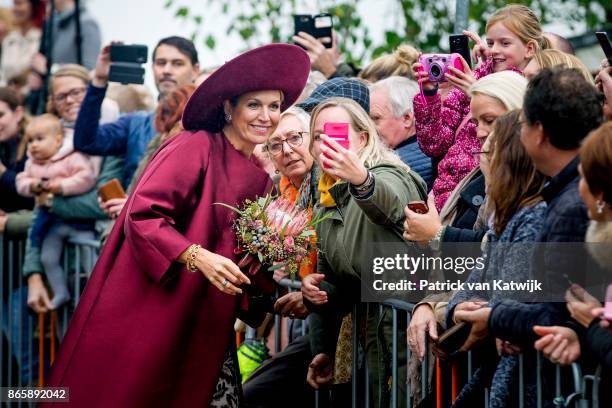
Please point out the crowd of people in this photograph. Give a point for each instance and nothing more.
(509, 154)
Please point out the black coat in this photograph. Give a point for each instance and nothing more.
(11, 200)
(566, 221)
(468, 204)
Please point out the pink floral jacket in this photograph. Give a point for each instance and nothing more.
(444, 131)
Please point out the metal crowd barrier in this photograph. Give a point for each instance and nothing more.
(30, 341)
(580, 395)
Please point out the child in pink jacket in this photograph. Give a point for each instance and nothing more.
(443, 128)
(50, 171)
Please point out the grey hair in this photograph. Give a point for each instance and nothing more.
(401, 92)
(301, 115)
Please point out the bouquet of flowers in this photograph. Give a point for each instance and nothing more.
(275, 232)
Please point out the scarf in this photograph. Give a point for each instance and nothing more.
(325, 184)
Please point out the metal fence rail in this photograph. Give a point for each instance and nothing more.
(29, 341)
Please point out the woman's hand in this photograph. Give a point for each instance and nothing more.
(220, 271)
(505, 348)
(341, 163)
(39, 64)
(291, 305)
(480, 50)
(461, 79)
(422, 227)
(422, 76)
(559, 344)
(320, 371)
(113, 206)
(423, 321)
(311, 291)
(598, 313)
(279, 274)
(38, 297)
(580, 303)
(478, 318)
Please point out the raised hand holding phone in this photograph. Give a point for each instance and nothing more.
(340, 161)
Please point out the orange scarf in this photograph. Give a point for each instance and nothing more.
(290, 192)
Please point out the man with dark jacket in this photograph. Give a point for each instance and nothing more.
(560, 109)
(392, 113)
(175, 63)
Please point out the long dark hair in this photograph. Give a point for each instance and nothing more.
(8, 96)
(515, 182)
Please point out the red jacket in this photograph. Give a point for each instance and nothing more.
(147, 332)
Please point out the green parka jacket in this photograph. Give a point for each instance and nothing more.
(346, 240)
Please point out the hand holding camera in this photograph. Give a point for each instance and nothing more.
(461, 78)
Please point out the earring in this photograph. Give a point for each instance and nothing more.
(276, 172)
(228, 117)
(600, 205)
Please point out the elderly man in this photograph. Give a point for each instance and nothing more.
(391, 111)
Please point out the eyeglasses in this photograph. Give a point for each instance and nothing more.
(73, 93)
(294, 139)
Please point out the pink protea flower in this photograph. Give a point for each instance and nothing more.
(289, 241)
(282, 214)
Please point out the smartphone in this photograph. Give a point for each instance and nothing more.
(607, 314)
(338, 132)
(419, 207)
(604, 42)
(126, 63)
(451, 341)
(319, 26)
(459, 44)
(134, 53)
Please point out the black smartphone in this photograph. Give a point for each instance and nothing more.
(319, 26)
(459, 43)
(134, 53)
(604, 42)
(126, 63)
(452, 339)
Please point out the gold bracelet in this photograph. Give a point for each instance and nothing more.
(192, 253)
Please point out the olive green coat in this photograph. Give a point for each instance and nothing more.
(345, 239)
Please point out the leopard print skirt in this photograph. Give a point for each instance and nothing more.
(228, 391)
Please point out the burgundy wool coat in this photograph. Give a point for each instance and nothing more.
(148, 333)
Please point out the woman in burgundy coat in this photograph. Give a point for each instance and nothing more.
(147, 332)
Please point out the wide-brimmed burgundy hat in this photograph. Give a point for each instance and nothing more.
(283, 67)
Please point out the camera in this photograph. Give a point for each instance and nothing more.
(126, 63)
(436, 65)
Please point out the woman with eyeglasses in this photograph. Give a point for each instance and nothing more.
(287, 149)
(463, 217)
(67, 88)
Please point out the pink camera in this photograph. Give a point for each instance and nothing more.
(436, 65)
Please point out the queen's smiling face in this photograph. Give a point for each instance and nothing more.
(254, 116)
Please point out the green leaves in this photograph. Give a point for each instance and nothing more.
(210, 42)
(182, 12)
(421, 23)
